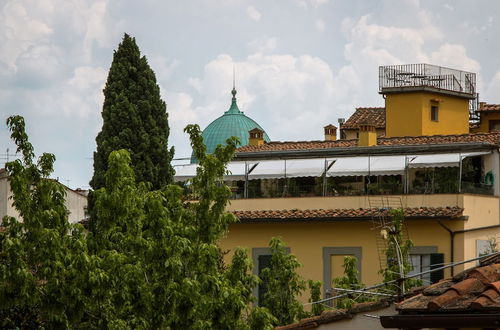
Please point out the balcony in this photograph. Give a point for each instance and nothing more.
(450, 173)
(430, 181)
(413, 77)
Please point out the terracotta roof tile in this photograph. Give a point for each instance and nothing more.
(489, 108)
(490, 138)
(374, 116)
(419, 212)
(474, 289)
(333, 315)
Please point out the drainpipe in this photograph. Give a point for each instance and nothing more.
(452, 238)
(452, 244)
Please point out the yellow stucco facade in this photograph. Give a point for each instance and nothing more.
(409, 114)
(486, 118)
(310, 241)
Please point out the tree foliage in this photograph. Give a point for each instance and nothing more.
(315, 289)
(153, 261)
(134, 118)
(350, 280)
(398, 256)
(284, 285)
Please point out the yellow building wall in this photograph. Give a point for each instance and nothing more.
(352, 134)
(409, 114)
(307, 239)
(343, 202)
(484, 127)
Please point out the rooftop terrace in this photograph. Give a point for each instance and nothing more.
(408, 77)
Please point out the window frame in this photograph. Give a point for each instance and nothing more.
(434, 112)
(424, 251)
(357, 251)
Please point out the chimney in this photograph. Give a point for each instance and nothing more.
(256, 137)
(367, 135)
(330, 132)
(481, 105)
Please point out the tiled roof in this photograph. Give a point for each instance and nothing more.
(490, 138)
(374, 116)
(332, 214)
(476, 289)
(333, 315)
(489, 107)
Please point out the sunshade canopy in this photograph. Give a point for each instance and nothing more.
(341, 166)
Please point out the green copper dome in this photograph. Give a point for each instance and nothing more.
(232, 123)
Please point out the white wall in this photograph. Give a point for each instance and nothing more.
(75, 202)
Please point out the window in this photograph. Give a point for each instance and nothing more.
(424, 258)
(434, 112)
(261, 259)
(333, 258)
(494, 125)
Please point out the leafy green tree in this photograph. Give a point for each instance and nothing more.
(398, 256)
(350, 281)
(315, 288)
(284, 285)
(135, 119)
(43, 259)
(153, 262)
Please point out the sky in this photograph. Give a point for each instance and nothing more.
(300, 64)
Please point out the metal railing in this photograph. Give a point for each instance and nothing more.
(426, 75)
(279, 190)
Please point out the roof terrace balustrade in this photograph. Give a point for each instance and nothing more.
(413, 77)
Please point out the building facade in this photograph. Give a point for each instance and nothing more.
(328, 199)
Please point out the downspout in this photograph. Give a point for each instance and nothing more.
(452, 244)
(453, 233)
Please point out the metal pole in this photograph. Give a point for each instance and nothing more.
(324, 177)
(245, 189)
(460, 175)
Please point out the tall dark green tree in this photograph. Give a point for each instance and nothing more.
(135, 119)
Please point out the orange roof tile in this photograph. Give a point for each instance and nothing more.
(473, 289)
(489, 108)
(490, 138)
(373, 115)
(418, 212)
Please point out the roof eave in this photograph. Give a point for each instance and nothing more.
(449, 320)
(374, 150)
(344, 219)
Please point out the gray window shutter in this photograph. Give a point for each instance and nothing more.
(437, 260)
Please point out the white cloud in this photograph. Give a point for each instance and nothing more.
(491, 94)
(320, 25)
(312, 3)
(262, 45)
(270, 88)
(454, 56)
(253, 13)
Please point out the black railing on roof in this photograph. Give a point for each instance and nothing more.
(426, 75)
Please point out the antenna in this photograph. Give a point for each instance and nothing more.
(234, 80)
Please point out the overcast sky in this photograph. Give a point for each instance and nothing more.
(300, 64)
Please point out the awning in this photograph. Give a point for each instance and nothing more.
(305, 167)
(236, 171)
(440, 160)
(268, 169)
(184, 172)
(376, 165)
(341, 166)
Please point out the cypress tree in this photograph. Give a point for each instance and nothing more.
(134, 118)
